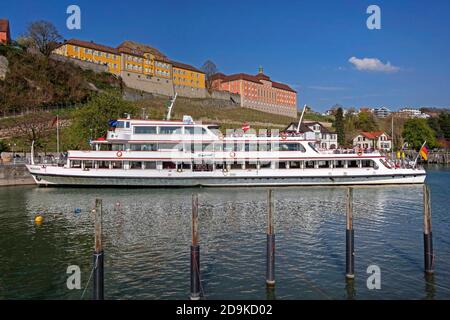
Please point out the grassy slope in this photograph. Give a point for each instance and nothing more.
(217, 112)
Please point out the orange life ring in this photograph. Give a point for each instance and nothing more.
(119, 154)
(360, 152)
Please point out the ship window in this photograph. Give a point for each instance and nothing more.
(294, 164)
(250, 165)
(150, 165)
(339, 164)
(218, 147)
(313, 147)
(309, 164)
(88, 164)
(264, 164)
(144, 147)
(198, 147)
(103, 164)
(170, 146)
(202, 167)
(117, 164)
(135, 165)
(117, 147)
(239, 146)
(353, 163)
(184, 166)
(236, 166)
(195, 130)
(145, 130)
(292, 147)
(324, 164)
(208, 147)
(368, 164)
(251, 147)
(127, 125)
(120, 124)
(263, 146)
(227, 147)
(169, 165)
(169, 130)
(75, 164)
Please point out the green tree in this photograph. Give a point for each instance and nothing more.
(444, 124)
(441, 125)
(3, 146)
(91, 121)
(339, 126)
(417, 131)
(366, 122)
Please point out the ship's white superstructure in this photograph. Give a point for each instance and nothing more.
(152, 153)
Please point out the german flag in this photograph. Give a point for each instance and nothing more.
(424, 153)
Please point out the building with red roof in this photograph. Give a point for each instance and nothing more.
(378, 140)
(259, 92)
(5, 33)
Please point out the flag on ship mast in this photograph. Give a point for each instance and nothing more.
(424, 152)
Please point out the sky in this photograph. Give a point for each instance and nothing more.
(322, 49)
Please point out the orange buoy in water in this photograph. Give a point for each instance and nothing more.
(38, 219)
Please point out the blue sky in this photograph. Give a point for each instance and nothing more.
(306, 44)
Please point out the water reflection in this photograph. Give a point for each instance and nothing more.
(147, 238)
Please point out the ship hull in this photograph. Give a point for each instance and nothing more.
(134, 178)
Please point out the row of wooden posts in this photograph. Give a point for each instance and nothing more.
(196, 286)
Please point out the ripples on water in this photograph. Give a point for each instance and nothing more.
(147, 238)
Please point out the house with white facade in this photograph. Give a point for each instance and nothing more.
(413, 113)
(324, 138)
(378, 140)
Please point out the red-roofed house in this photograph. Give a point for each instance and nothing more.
(5, 34)
(259, 92)
(373, 140)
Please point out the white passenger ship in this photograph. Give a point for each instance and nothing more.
(145, 153)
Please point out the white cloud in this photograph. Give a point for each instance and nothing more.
(372, 64)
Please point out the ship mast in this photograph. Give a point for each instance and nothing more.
(301, 119)
(169, 110)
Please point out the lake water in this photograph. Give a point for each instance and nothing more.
(147, 241)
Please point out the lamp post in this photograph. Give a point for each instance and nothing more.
(392, 135)
(13, 152)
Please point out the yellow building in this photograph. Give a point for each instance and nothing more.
(91, 52)
(143, 59)
(136, 62)
(185, 75)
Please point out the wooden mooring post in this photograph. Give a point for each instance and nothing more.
(195, 252)
(270, 270)
(349, 238)
(98, 253)
(427, 233)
